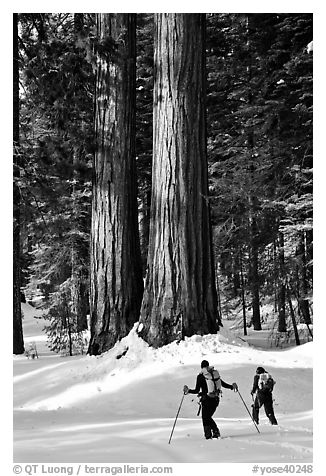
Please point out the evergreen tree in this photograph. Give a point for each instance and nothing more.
(144, 125)
(266, 110)
(18, 341)
(259, 137)
(116, 275)
(57, 128)
(180, 295)
(63, 332)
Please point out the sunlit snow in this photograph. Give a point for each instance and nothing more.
(104, 409)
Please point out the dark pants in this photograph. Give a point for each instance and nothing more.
(264, 398)
(209, 406)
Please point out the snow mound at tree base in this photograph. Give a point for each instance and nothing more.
(120, 406)
(132, 360)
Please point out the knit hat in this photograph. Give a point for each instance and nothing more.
(204, 364)
(260, 370)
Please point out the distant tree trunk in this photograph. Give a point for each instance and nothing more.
(309, 254)
(144, 227)
(79, 292)
(243, 297)
(302, 281)
(275, 280)
(78, 22)
(294, 324)
(116, 275)
(69, 326)
(180, 294)
(18, 341)
(281, 295)
(253, 203)
(219, 305)
(253, 266)
(236, 280)
(255, 290)
(236, 283)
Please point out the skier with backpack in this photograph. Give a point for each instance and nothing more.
(208, 387)
(262, 392)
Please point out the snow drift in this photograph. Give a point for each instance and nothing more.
(120, 406)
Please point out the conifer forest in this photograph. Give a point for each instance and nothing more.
(162, 175)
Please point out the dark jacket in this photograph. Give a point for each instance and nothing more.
(255, 384)
(201, 385)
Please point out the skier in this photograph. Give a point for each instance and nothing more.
(208, 387)
(262, 393)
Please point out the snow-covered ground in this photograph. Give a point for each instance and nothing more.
(115, 408)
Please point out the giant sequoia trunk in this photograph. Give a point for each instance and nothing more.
(18, 342)
(116, 276)
(180, 295)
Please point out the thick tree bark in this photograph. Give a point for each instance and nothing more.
(116, 275)
(180, 295)
(18, 341)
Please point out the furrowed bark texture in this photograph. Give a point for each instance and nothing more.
(18, 341)
(180, 295)
(116, 277)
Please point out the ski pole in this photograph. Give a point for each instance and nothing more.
(175, 421)
(248, 411)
